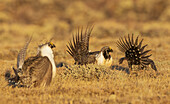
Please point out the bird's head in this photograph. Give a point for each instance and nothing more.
(106, 50)
(48, 44)
(46, 48)
(51, 45)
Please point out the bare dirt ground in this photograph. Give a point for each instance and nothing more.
(57, 19)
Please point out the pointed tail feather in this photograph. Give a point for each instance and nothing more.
(22, 54)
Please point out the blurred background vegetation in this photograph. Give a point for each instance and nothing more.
(58, 18)
(45, 19)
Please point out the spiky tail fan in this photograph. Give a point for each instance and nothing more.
(134, 52)
(12, 80)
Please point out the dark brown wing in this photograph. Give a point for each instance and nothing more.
(79, 47)
(37, 71)
(92, 57)
(87, 37)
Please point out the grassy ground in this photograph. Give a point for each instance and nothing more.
(45, 19)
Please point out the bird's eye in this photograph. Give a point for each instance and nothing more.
(50, 44)
(109, 50)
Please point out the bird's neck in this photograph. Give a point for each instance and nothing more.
(47, 51)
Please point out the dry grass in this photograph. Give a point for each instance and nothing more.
(91, 84)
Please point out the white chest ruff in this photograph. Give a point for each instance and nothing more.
(47, 51)
(100, 58)
(102, 61)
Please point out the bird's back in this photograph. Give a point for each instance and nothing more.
(36, 71)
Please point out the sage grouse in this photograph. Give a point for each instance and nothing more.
(36, 70)
(135, 53)
(78, 48)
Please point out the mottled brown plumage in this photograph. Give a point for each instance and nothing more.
(36, 70)
(78, 48)
(134, 53)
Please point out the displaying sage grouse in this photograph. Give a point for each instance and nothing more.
(135, 53)
(36, 70)
(78, 48)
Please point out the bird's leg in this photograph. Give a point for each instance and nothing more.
(130, 66)
(139, 67)
(152, 64)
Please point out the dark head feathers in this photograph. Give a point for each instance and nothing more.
(106, 50)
